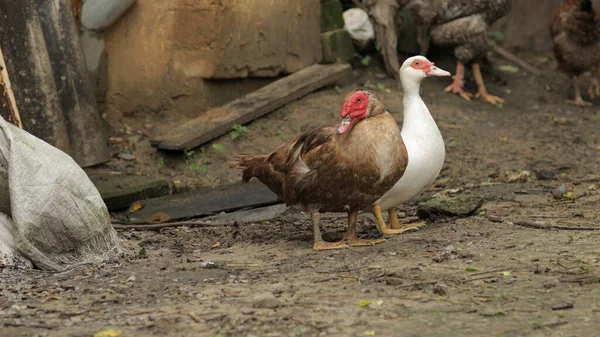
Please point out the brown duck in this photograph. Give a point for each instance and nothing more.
(328, 169)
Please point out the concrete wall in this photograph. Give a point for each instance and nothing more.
(164, 49)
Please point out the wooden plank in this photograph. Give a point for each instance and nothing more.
(209, 201)
(218, 121)
(8, 104)
(119, 190)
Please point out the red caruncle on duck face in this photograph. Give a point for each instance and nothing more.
(422, 65)
(353, 110)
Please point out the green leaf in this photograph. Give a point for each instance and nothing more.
(219, 147)
(366, 60)
(143, 252)
(509, 68)
(471, 268)
(234, 134)
(496, 35)
(363, 303)
(380, 86)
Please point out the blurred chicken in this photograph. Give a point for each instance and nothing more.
(336, 170)
(575, 32)
(461, 24)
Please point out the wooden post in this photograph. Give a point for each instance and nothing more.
(8, 104)
(51, 85)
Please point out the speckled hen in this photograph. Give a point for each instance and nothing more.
(329, 169)
(462, 25)
(575, 32)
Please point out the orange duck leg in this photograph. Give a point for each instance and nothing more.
(395, 226)
(320, 244)
(482, 91)
(350, 237)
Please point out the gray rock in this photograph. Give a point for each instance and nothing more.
(461, 206)
(266, 300)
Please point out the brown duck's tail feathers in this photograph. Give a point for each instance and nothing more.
(250, 165)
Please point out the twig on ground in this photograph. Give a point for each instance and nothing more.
(515, 59)
(480, 278)
(153, 225)
(531, 224)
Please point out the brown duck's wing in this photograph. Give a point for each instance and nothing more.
(287, 160)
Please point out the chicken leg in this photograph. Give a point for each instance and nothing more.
(456, 86)
(578, 100)
(320, 244)
(481, 90)
(350, 237)
(383, 228)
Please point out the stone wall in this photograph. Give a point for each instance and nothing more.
(164, 49)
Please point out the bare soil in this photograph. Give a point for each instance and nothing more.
(491, 274)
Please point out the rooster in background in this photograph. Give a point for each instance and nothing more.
(575, 32)
(461, 24)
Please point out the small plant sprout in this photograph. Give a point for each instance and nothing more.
(238, 130)
(219, 147)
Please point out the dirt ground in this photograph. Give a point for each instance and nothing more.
(484, 275)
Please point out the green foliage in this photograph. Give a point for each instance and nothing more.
(366, 60)
(219, 147)
(161, 162)
(238, 130)
(496, 35)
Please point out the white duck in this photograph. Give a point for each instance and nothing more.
(424, 145)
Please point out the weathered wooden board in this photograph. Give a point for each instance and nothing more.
(119, 190)
(218, 121)
(209, 201)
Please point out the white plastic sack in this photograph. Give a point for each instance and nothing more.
(358, 25)
(50, 212)
(100, 14)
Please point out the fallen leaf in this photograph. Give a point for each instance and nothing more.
(598, 147)
(471, 268)
(217, 244)
(116, 139)
(159, 217)
(502, 138)
(370, 333)
(51, 297)
(136, 206)
(387, 90)
(509, 68)
(363, 303)
(109, 333)
(505, 273)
